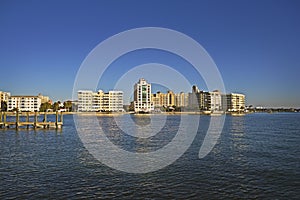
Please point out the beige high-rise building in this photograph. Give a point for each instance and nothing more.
(170, 99)
(156, 99)
(181, 99)
(44, 99)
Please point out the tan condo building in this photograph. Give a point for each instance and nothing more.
(234, 102)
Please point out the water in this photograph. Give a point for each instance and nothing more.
(257, 156)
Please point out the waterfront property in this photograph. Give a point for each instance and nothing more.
(205, 101)
(169, 99)
(215, 100)
(24, 103)
(234, 102)
(197, 100)
(142, 97)
(89, 101)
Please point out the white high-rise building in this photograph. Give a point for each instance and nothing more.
(85, 100)
(89, 101)
(24, 103)
(115, 102)
(142, 97)
(215, 100)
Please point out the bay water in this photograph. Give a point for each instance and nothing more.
(256, 157)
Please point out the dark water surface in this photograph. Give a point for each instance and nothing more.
(257, 156)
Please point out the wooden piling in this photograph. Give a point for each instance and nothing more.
(56, 119)
(17, 119)
(61, 118)
(35, 120)
(45, 120)
(17, 122)
(1, 124)
(27, 120)
(4, 119)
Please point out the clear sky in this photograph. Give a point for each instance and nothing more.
(255, 44)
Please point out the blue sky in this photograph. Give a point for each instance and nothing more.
(255, 44)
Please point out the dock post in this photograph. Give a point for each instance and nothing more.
(0, 119)
(4, 119)
(35, 119)
(17, 119)
(27, 119)
(56, 119)
(45, 119)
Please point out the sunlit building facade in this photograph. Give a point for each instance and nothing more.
(24, 103)
(142, 97)
(89, 101)
(234, 102)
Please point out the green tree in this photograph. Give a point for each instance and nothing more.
(68, 105)
(55, 106)
(3, 106)
(45, 106)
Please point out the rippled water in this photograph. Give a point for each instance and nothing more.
(257, 156)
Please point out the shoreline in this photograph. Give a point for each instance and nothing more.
(130, 113)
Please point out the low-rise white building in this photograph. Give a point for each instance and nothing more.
(89, 101)
(85, 100)
(24, 103)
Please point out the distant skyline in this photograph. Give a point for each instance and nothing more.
(255, 44)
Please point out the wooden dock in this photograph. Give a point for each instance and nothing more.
(30, 120)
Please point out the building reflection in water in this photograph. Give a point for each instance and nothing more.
(238, 138)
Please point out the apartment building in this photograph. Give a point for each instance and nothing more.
(24, 103)
(163, 99)
(234, 102)
(115, 101)
(181, 99)
(170, 99)
(215, 101)
(89, 101)
(142, 97)
(85, 100)
(199, 100)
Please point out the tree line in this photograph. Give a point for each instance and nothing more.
(67, 105)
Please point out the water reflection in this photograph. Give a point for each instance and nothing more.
(141, 120)
(253, 160)
(160, 130)
(239, 143)
(237, 130)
